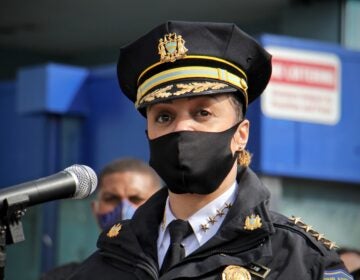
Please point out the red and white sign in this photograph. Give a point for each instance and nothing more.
(304, 86)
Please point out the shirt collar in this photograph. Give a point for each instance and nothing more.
(200, 222)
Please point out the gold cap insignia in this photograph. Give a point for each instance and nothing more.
(252, 222)
(114, 231)
(234, 272)
(171, 48)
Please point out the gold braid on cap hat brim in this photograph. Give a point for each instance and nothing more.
(190, 72)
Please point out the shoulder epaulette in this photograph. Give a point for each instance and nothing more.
(319, 237)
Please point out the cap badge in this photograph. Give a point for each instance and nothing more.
(252, 222)
(171, 48)
(233, 272)
(114, 231)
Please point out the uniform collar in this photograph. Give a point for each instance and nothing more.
(207, 220)
(252, 199)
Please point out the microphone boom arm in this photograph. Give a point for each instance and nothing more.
(11, 229)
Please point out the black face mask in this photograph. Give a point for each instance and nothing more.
(193, 161)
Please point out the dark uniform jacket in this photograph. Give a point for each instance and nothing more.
(279, 249)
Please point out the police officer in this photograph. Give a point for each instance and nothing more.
(193, 81)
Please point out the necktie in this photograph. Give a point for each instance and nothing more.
(179, 230)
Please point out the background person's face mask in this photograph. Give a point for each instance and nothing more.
(124, 210)
(193, 161)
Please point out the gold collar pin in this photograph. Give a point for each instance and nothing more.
(252, 222)
(114, 231)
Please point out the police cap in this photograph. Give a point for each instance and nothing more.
(180, 59)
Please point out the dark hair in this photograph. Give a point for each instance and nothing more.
(128, 165)
(238, 105)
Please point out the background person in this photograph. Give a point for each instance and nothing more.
(124, 185)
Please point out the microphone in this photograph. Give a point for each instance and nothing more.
(77, 181)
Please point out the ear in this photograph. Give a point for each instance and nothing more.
(241, 136)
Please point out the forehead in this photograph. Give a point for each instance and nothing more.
(119, 181)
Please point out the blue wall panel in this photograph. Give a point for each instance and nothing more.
(22, 141)
(51, 88)
(113, 127)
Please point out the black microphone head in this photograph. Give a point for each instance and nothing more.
(86, 180)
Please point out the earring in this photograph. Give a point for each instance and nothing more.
(244, 158)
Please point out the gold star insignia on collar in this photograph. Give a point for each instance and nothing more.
(204, 227)
(114, 231)
(212, 220)
(220, 212)
(252, 222)
(228, 205)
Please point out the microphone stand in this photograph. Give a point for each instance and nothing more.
(11, 229)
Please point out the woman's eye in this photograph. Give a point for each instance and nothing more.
(204, 113)
(163, 118)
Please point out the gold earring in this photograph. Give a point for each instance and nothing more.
(244, 158)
